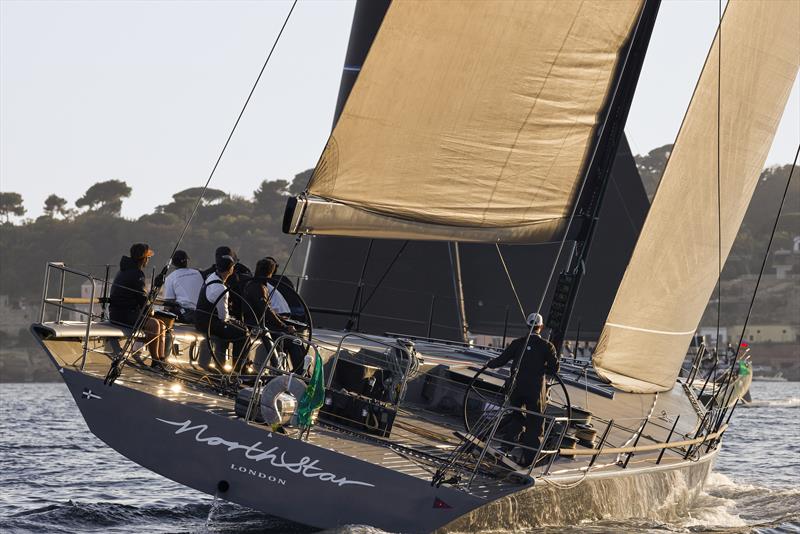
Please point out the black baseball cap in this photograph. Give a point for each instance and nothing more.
(180, 258)
(224, 263)
(226, 251)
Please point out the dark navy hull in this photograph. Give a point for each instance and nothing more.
(190, 434)
(264, 471)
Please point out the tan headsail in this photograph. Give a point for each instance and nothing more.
(470, 121)
(674, 267)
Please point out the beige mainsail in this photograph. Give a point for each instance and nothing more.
(674, 267)
(470, 121)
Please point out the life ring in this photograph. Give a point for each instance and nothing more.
(291, 383)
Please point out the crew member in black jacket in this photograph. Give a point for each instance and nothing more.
(235, 283)
(213, 316)
(128, 298)
(258, 306)
(538, 358)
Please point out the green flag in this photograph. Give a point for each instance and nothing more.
(744, 369)
(314, 395)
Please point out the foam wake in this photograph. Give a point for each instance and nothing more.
(789, 402)
(725, 504)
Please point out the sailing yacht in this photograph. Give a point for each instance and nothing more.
(468, 124)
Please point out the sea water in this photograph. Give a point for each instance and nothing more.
(55, 476)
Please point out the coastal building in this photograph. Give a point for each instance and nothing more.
(767, 333)
(15, 314)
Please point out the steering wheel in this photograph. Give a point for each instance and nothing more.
(482, 403)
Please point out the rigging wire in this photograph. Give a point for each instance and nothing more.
(719, 187)
(510, 281)
(119, 362)
(233, 130)
(758, 282)
(383, 277)
(283, 274)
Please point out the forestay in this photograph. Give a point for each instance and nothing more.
(470, 121)
(674, 267)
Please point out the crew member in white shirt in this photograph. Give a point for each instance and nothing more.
(277, 302)
(182, 287)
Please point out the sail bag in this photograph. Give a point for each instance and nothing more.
(470, 121)
(674, 267)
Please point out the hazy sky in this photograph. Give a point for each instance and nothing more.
(147, 92)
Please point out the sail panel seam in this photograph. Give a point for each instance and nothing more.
(651, 331)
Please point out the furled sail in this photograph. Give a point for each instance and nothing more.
(470, 121)
(674, 266)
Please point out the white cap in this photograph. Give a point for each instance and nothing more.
(534, 319)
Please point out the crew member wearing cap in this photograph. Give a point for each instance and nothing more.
(182, 287)
(538, 357)
(128, 298)
(235, 282)
(261, 298)
(212, 313)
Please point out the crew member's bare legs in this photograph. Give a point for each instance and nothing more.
(154, 330)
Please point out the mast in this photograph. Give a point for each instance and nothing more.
(458, 288)
(367, 18)
(598, 173)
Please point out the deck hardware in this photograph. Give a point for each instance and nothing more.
(636, 442)
(697, 434)
(712, 372)
(61, 296)
(542, 445)
(104, 312)
(505, 327)
(602, 443)
(701, 350)
(661, 454)
(430, 315)
(557, 450)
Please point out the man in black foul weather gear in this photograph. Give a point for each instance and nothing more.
(259, 297)
(128, 299)
(235, 283)
(538, 358)
(212, 315)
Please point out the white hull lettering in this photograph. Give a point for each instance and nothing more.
(258, 474)
(305, 466)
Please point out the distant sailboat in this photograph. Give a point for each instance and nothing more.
(481, 123)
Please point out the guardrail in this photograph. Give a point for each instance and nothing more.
(60, 301)
(372, 339)
(485, 439)
(265, 367)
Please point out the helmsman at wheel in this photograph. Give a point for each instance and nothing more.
(538, 358)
